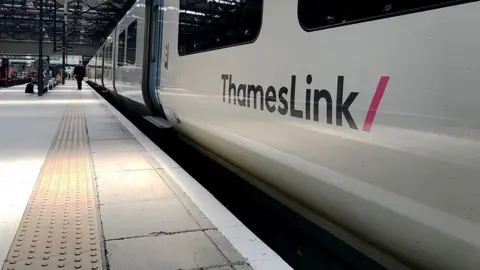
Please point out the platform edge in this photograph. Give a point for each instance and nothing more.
(254, 250)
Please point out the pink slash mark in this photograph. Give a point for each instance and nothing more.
(377, 98)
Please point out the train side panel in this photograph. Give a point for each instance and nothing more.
(129, 53)
(98, 66)
(108, 63)
(372, 125)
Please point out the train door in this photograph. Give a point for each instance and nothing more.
(102, 65)
(154, 57)
(114, 57)
(163, 52)
(95, 69)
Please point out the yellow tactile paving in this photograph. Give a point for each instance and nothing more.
(60, 227)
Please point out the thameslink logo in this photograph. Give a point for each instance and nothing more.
(274, 100)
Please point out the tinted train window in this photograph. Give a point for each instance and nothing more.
(131, 42)
(110, 54)
(106, 54)
(316, 14)
(121, 49)
(208, 25)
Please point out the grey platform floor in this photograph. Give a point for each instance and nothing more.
(148, 221)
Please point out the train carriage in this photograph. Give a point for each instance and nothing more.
(363, 114)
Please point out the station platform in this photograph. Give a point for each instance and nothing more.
(82, 188)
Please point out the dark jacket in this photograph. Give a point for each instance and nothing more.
(79, 71)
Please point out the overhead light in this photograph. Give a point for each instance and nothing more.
(226, 2)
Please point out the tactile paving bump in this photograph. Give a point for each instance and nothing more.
(60, 226)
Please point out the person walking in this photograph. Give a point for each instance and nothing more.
(79, 72)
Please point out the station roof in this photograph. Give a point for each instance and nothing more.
(88, 21)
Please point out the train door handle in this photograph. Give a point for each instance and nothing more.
(166, 55)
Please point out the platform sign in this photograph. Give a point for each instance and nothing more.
(4, 62)
(60, 47)
(45, 65)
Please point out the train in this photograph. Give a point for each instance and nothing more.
(362, 117)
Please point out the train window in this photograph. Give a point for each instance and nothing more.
(208, 25)
(106, 54)
(121, 49)
(99, 61)
(131, 42)
(110, 54)
(315, 14)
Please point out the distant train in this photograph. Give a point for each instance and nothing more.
(362, 113)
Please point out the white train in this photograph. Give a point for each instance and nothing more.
(362, 114)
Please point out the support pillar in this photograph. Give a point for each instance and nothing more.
(64, 47)
(40, 51)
